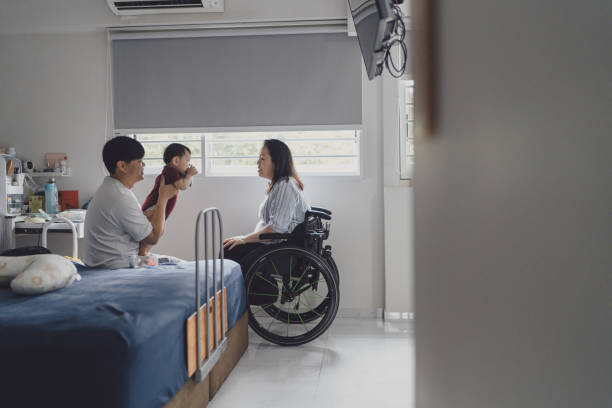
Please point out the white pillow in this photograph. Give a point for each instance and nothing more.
(47, 273)
(11, 266)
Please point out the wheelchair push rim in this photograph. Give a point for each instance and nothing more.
(292, 295)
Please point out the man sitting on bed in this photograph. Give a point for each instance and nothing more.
(115, 225)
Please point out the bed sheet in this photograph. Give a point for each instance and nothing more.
(114, 339)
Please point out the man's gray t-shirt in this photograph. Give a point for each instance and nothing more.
(114, 226)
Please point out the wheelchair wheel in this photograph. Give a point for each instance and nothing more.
(292, 295)
(334, 267)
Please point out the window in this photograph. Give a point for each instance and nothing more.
(154, 145)
(315, 152)
(406, 126)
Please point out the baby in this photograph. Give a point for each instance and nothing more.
(177, 171)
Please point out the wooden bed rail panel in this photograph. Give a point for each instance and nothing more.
(190, 328)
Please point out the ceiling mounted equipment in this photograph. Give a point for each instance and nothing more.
(131, 8)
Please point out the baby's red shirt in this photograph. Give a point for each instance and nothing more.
(170, 175)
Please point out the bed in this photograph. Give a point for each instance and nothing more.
(117, 338)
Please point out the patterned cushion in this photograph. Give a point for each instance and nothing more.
(11, 266)
(47, 273)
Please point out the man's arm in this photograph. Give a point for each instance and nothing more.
(158, 219)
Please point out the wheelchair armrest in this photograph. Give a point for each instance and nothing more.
(319, 214)
(323, 210)
(275, 236)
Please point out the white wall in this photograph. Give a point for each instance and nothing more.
(398, 198)
(53, 16)
(53, 97)
(513, 209)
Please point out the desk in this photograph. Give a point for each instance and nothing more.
(19, 227)
(22, 227)
(11, 225)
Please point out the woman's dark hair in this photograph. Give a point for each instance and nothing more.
(121, 148)
(173, 150)
(283, 162)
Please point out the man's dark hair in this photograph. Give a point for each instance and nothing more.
(174, 149)
(121, 148)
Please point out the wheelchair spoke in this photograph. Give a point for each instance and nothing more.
(260, 276)
(274, 266)
(308, 286)
(302, 275)
(273, 320)
(264, 307)
(306, 330)
(312, 309)
(278, 273)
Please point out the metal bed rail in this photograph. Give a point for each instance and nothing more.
(204, 367)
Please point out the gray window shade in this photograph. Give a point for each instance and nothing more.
(268, 80)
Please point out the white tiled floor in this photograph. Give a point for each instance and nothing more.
(358, 362)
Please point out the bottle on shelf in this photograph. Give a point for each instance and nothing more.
(51, 197)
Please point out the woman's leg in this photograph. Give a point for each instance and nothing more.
(239, 252)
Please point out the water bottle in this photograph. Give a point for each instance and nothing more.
(51, 197)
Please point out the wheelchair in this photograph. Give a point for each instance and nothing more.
(292, 287)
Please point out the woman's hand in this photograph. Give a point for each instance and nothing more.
(232, 242)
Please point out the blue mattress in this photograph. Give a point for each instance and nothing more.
(114, 339)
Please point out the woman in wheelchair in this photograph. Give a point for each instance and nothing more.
(290, 277)
(283, 207)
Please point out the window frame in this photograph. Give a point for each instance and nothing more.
(406, 170)
(205, 170)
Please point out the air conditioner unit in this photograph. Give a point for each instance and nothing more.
(131, 8)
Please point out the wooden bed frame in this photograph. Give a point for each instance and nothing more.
(197, 395)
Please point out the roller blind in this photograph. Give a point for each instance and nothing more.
(266, 80)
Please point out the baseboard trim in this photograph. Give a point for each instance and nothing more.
(398, 315)
(360, 313)
(375, 314)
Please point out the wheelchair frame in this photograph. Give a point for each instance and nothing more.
(314, 231)
(307, 238)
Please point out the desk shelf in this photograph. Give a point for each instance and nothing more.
(49, 174)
